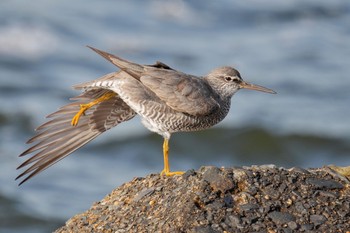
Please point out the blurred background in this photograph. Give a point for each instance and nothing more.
(301, 49)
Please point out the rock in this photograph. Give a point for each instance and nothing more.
(211, 199)
(324, 184)
(248, 207)
(234, 221)
(228, 200)
(317, 219)
(217, 179)
(299, 170)
(189, 173)
(293, 225)
(281, 218)
(204, 229)
(267, 166)
(143, 193)
(306, 227)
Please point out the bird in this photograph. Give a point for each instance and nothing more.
(167, 101)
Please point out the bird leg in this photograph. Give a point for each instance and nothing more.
(166, 171)
(84, 107)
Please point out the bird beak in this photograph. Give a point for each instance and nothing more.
(255, 87)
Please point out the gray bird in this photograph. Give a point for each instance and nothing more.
(167, 101)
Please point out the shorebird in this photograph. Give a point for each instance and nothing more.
(167, 101)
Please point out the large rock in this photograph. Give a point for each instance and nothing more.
(248, 199)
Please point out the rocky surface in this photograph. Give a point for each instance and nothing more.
(248, 199)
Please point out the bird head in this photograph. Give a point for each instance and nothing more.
(226, 81)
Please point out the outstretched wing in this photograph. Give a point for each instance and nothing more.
(182, 92)
(56, 139)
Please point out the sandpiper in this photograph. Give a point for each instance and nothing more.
(167, 101)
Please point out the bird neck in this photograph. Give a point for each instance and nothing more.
(220, 89)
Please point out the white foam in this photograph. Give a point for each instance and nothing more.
(27, 40)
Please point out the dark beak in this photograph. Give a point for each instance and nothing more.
(255, 87)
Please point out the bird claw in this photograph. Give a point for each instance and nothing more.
(169, 173)
(75, 119)
(84, 107)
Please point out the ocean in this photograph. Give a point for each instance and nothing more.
(299, 48)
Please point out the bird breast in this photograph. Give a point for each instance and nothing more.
(167, 121)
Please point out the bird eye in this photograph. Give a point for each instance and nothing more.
(233, 79)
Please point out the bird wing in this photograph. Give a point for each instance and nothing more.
(181, 92)
(104, 82)
(57, 138)
(133, 69)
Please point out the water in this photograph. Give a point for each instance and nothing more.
(301, 49)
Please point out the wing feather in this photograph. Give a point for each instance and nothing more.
(181, 92)
(56, 138)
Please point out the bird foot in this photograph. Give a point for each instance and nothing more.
(169, 173)
(84, 107)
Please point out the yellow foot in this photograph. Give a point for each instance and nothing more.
(169, 173)
(166, 171)
(84, 107)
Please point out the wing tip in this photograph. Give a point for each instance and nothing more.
(102, 53)
(22, 181)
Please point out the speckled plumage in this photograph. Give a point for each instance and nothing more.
(167, 100)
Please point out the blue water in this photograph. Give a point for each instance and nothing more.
(300, 49)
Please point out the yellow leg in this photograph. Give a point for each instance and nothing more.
(84, 107)
(166, 171)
